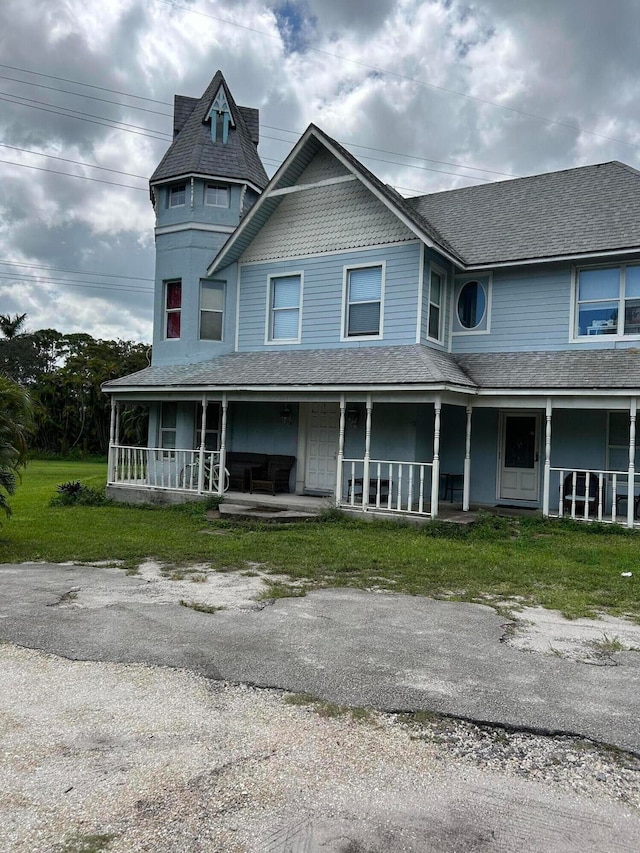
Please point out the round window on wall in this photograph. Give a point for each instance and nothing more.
(472, 303)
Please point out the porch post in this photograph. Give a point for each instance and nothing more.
(223, 445)
(546, 482)
(111, 468)
(338, 492)
(367, 456)
(466, 480)
(203, 429)
(435, 468)
(632, 458)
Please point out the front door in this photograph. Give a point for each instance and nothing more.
(322, 447)
(519, 475)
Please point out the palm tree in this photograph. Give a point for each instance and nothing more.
(15, 424)
(11, 326)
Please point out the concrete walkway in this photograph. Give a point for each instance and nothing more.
(391, 652)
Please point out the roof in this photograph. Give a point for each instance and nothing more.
(577, 211)
(349, 367)
(593, 369)
(193, 151)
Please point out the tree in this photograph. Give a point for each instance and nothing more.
(11, 326)
(15, 424)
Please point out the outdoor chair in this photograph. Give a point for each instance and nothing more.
(580, 495)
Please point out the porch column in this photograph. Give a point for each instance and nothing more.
(340, 464)
(632, 458)
(466, 480)
(546, 482)
(367, 456)
(222, 464)
(435, 469)
(111, 467)
(203, 430)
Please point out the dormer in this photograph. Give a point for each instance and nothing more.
(220, 117)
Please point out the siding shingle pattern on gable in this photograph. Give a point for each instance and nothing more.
(194, 152)
(325, 219)
(586, 369)
(583, 210)
(351, 366)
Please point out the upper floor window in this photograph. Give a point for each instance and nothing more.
(435, 319)
(285, 297)
(608, 301)
(211, 310)
(172, 307)
(177, 195)
(216, 195)
(363, 301)
(472, 303)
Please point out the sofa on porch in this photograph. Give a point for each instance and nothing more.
(261, 472)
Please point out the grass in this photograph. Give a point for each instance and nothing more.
(568, 566)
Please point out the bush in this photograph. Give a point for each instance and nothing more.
(76, 493)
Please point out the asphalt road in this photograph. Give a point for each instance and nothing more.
(390, 652)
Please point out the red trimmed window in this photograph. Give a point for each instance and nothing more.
(173, 307)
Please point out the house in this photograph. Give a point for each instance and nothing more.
(476, 346)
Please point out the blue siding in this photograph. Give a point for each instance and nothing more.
(323, 293)
(200, 212)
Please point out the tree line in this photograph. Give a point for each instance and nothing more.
(62, 375)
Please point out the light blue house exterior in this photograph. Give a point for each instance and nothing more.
(476, 347)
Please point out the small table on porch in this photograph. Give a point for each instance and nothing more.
(452, 483)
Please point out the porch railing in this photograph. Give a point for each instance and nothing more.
(593, 495)
(163, 468)
(403, 487)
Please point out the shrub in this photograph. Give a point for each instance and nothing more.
(76, 493)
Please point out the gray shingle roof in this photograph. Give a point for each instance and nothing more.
(348, 367)
(586, 369)
(194, 152)
(588, 209)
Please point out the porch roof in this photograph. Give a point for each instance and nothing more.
(367, 367)
(589, 370)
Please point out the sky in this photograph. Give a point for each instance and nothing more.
(429, 95)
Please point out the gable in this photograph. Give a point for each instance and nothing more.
(325, 218)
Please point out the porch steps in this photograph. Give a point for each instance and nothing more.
(280, 508)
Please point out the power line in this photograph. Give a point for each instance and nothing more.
(94, 285)
(66, 269)
(70, 175)
(75, 162)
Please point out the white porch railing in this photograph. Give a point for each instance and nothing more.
(164, 468)
(403, 487)
(594, 495)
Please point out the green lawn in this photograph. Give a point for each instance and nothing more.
(571, 567)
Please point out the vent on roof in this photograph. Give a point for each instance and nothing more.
(220, 117)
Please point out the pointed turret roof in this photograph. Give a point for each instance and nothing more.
(193, 151)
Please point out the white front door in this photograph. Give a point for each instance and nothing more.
(519, 466)
(322, 447)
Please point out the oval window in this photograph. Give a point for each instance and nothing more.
(472, 303)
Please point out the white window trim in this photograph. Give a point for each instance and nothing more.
(269, 341)
(345, 295)
(212, 311)
(166, 311)
(443, 303)
(488, 286)
(182, 203)
(574, 338)
(421, 268)
(220, 186)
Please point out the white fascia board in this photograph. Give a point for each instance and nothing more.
(558, 392)
(291, 389)
(606, 253)
(223, 179)
(194, 226)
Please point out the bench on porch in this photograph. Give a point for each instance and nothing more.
(250, 472)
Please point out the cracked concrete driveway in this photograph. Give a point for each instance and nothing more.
(149, 758)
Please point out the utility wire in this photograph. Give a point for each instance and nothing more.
(75, 162)
(70, 175)
(66, 269)
(94, 285)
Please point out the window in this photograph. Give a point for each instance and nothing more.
(177, 195)
(618, 446)
(436, 294)
(212, 428)
(173, 307)
(608, 301)
(472, 303)
(211, 310)
(363, 301)
(216, 195)
(284, 308)
(168, 424)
